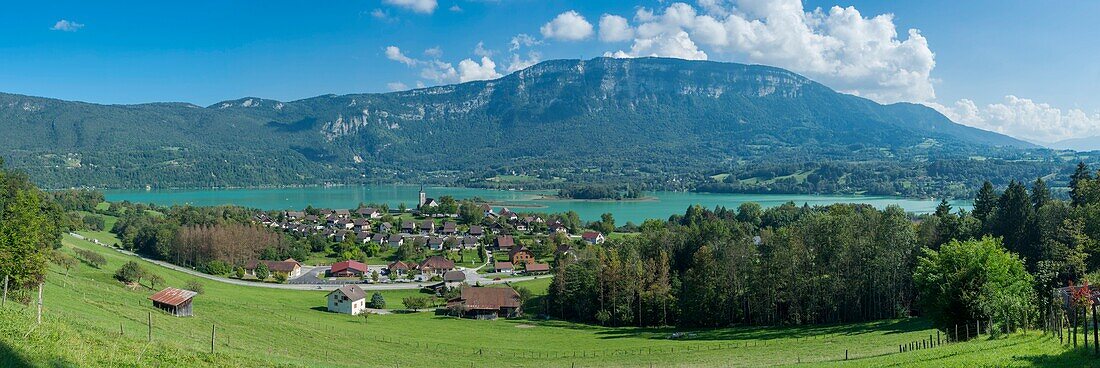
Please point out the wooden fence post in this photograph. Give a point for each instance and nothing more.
(150, 322)
(5, 302)
(213, 335)
(39, 303)
(1095, 334)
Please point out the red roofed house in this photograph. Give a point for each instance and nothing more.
(437, 265)
(486, 303)
(399, 268)
(348, 269)
(504, 242)
(537, 268)
(592, 237)
(175, 301)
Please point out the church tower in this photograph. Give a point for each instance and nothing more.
(423, 197)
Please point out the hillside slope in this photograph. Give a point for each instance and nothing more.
(653, 116)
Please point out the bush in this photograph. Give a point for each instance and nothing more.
(196, 286)
(216, 267)
(377, 301)
(416, 302)
(239, 271)
(973, 280)
(262, 272)
(130, 272)
(280, 277)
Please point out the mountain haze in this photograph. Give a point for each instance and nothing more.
(646, 117)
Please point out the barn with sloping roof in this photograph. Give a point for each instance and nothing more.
(174, 301)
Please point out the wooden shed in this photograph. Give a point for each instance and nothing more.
(174, 301)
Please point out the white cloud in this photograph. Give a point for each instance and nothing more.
(567, 26)
(480, 50)
(839, 47)
(397, 86)
(434, 52)
(455, 8)
(469, 70)
(522, 40)
(419, 6)
(439, 72)
(394, 53)
(519, 63)
(614, 28)
(67, 26)
(1024, 118)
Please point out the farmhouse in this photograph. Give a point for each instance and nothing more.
(449, 228)
(503, 267)
(437, 265)
(289, 267)
(348, 269)
(520, 254)
(174, 301)
(504, 242)
(399, 268)
(396, 240)
(453, 278)
(486, 303)
(427, 227)
(476, 230)
(369, 213)
(537, 268)
(408, 227)
(348, 299)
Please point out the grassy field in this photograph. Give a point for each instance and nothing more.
(266, 327)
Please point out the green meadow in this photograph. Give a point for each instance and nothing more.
(92, 320)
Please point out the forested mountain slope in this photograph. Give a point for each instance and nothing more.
(659, 123)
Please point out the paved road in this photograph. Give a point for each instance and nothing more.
(310, 286)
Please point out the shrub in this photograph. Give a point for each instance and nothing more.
(196, 286)
(377, 301)
(973, 280)
(216, 267)
(280, 277)
(262, 272)
(130, 272)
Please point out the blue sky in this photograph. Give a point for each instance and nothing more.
(1027, 69)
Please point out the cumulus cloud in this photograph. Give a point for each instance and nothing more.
(614, 28)
(522, 40)
(419, 6)
(518, 63)
(1024, 118)
(394, 53)
(469, 70)
(67, 26)
(480, 50)
(397, 86)
(438, 71)
(434, 52)
(567, 26)
(839, 46)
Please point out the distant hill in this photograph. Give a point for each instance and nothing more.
(1078, 144)
(656, 121)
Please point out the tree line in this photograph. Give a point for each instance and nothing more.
(840, 263)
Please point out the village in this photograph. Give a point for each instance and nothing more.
(465, 253)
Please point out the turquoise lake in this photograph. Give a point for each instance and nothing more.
(663, 205)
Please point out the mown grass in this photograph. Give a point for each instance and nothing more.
(264, 327)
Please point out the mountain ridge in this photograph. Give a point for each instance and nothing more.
(552, 119)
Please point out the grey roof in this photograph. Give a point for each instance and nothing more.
(353, 292)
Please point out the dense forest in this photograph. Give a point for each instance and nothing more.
(840, 263)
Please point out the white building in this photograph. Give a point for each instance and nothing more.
(348, 299)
